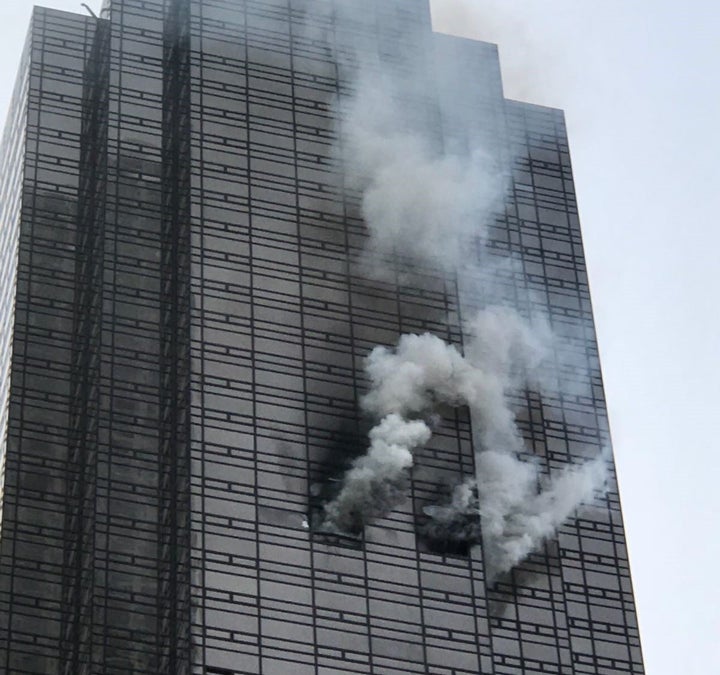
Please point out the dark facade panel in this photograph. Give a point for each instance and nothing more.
(37, 524)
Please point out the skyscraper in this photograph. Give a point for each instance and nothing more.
(213, 212)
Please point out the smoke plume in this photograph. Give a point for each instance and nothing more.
(504, 509)
(416, 376)
(503, 506)
(418, 202)
(377, 481)
(427, 199)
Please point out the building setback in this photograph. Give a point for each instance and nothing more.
(186, 310)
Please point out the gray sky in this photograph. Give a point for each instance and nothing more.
(638, 82)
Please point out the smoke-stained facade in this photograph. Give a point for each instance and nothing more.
(198, 287)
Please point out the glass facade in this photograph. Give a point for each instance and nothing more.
(11, 181)
(188, 328)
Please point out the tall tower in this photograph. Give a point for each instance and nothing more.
(199, 253)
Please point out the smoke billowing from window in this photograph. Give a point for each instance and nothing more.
(503, 504)
(408, 382)
(378, 481)
(427, 197)
(505, 510)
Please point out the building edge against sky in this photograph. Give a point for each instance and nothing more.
(190, 324)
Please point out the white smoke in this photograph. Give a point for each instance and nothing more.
(516, 518)
(509, 506)
(377, 481)
(422, 371)
(504, 509)
(430, 206)
(417, 201)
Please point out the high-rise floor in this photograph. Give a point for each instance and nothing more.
(185, 256)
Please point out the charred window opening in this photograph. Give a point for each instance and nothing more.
(448, 521)
(322, 493)
(329, 466)
(352, 538)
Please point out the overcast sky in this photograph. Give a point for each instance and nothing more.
(638, 80)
